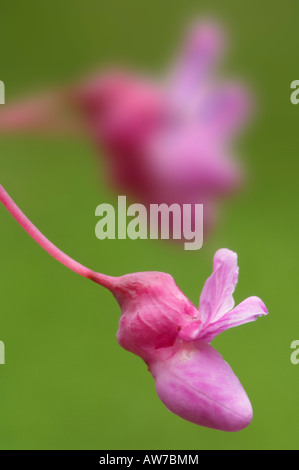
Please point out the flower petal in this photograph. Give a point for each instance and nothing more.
(217, 295)
(226, 109)
(202, 49)
(248, 310)
(196, 383)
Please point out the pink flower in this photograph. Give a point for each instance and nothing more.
(192, 379)
(159, 324)
(170, 141)
(165, 140)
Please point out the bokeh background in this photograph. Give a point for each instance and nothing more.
(67, 384)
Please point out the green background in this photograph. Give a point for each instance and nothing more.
(67, 384)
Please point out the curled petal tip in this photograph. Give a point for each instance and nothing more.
(224, 254)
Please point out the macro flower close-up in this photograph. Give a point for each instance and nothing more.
(159, 324)
(155, 142)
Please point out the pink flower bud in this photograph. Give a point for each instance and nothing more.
(153, 311)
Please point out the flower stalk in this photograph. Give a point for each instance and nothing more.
(56, 253)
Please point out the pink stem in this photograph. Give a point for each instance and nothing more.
(106, 281)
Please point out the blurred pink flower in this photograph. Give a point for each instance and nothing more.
(170, 141)
(165, 140)
(172, 137)
(159, 324)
